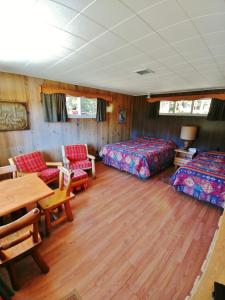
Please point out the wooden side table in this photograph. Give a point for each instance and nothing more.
(182, 157)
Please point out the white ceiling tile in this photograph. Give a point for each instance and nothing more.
(206, 67)
(132, 29)
(215, 39)
(109, 41)
(184, 67)
(102, 62)
(68, 63)
(53, 13)
(138, 5)
(211, 23)
(162, 52)
(85, 28)
(189, 44)
(108, 13)
(218, 51)
(197, 54)
(202, 7)
(127, 52)
(179, 32)
(150, 43)
(91, 51)
(201, 61)
(172, 60)
(164, 14)
(67, 39)
(78, 5)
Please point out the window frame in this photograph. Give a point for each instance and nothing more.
(191, 114)
(76, 116)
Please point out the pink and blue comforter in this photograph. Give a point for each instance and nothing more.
(203, 178)
(142, 156)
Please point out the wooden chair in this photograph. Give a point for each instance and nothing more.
(11, 169)
(5, 171)
(77, 157)
(20, 238)
(33, 162)
(60, 198)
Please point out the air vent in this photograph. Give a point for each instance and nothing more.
(145, 72)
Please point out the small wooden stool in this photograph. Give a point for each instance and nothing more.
(60, 198)
(79, 179)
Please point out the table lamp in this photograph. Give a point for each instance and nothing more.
(188, 134)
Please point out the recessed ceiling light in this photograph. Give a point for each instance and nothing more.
(145, 72)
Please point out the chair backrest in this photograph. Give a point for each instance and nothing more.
(65, 179)
(8, 169)
(29, 162)
(75, 152)
(30, 218)
(11, 169)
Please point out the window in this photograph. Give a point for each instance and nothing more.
(185, 107)
(80, 107)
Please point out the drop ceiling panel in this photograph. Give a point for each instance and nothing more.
(109, 41)
(53, 13)
(179, 32)
(102, 43)
(210, 23)
(85, 28)
(202, 7)
(78, 5)
(150, 43)
(108, 13)
(190, 44)
(164, 14)
(132, 29)
(215, 39)
(138, 5)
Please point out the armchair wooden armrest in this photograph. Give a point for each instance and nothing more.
(65, 171)
(54, 164)
(20, 174)
(90, 156)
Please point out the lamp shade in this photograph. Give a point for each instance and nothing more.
(188, 133)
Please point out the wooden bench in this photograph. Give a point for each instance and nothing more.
(213, 268)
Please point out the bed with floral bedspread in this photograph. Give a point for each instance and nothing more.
(143, 156)
(203, 178)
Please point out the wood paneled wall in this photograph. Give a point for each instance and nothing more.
(211, 134)
(48, 137)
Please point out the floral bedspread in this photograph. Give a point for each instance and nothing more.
(142, 156)
(203, 178)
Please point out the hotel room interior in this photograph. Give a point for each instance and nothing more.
(112, 149)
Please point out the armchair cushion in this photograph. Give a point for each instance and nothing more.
(49, 174)
(82, 164)
(76, 152)
(30, 162)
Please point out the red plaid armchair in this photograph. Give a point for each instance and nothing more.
(77, 157)
(33, 162)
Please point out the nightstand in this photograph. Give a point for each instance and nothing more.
(182, 157)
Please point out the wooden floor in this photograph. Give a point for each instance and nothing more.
(130, 240)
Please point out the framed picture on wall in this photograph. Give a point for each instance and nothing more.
(13, 116)
(121, 115)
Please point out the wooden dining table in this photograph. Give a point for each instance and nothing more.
(21, 192)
